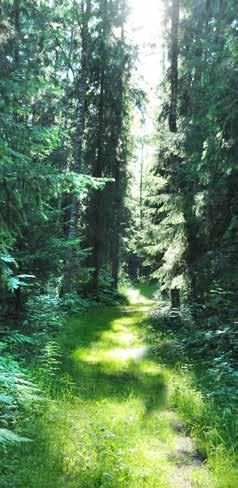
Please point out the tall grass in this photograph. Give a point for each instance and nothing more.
(190, 393)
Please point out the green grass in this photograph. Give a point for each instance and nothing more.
(206, 426)
(110, 422)
(212, 426)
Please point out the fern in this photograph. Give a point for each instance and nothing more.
(17, 392)
(7, 435)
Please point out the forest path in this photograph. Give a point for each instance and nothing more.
(125, 432)
(111, 425)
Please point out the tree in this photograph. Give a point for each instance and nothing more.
(81, 87)
(81, 93)
(109, 105)
(174, 65)
(196, 163)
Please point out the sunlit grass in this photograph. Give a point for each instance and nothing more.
(200, 417)
(141, 294)
(105, 350)
(109, 425)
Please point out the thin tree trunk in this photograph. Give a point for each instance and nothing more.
(80, 121)
(97, 198)
(116, 263)
(174, 65)
(82, 88)
(117, 226)
(97, 238)
(17, 30)
(118, 183)
(141, 183)
(193, 247)
(175, 297)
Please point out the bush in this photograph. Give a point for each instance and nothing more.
(73, 303)
(198, 337)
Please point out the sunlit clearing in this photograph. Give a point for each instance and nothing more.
(135, 297)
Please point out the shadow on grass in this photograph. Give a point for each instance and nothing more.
(82, 331)
(95, 384)
(61, 455)
(97, 380)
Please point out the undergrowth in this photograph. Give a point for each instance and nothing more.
(203, 382)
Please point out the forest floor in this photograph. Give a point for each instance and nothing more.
(110, 424)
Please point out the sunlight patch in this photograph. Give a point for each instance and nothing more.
(122, 323)
(113, 356)
(134, 353)
(135, 296)
(121, 338)
(150, 368)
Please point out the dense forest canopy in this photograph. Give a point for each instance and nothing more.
(93, 196)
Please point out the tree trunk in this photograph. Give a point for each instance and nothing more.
(174, 65)
(97, 237)
(175, 298)
(116, 227)
(17, 30)
(141, 183)
(118, 183)
(80, 120)
(71, 264)
(98, 169)
(116, 263)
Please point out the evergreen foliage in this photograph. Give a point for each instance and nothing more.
(189, 232)
(51, 141)
(71, 226)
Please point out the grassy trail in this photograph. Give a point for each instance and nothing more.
(110, 425)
